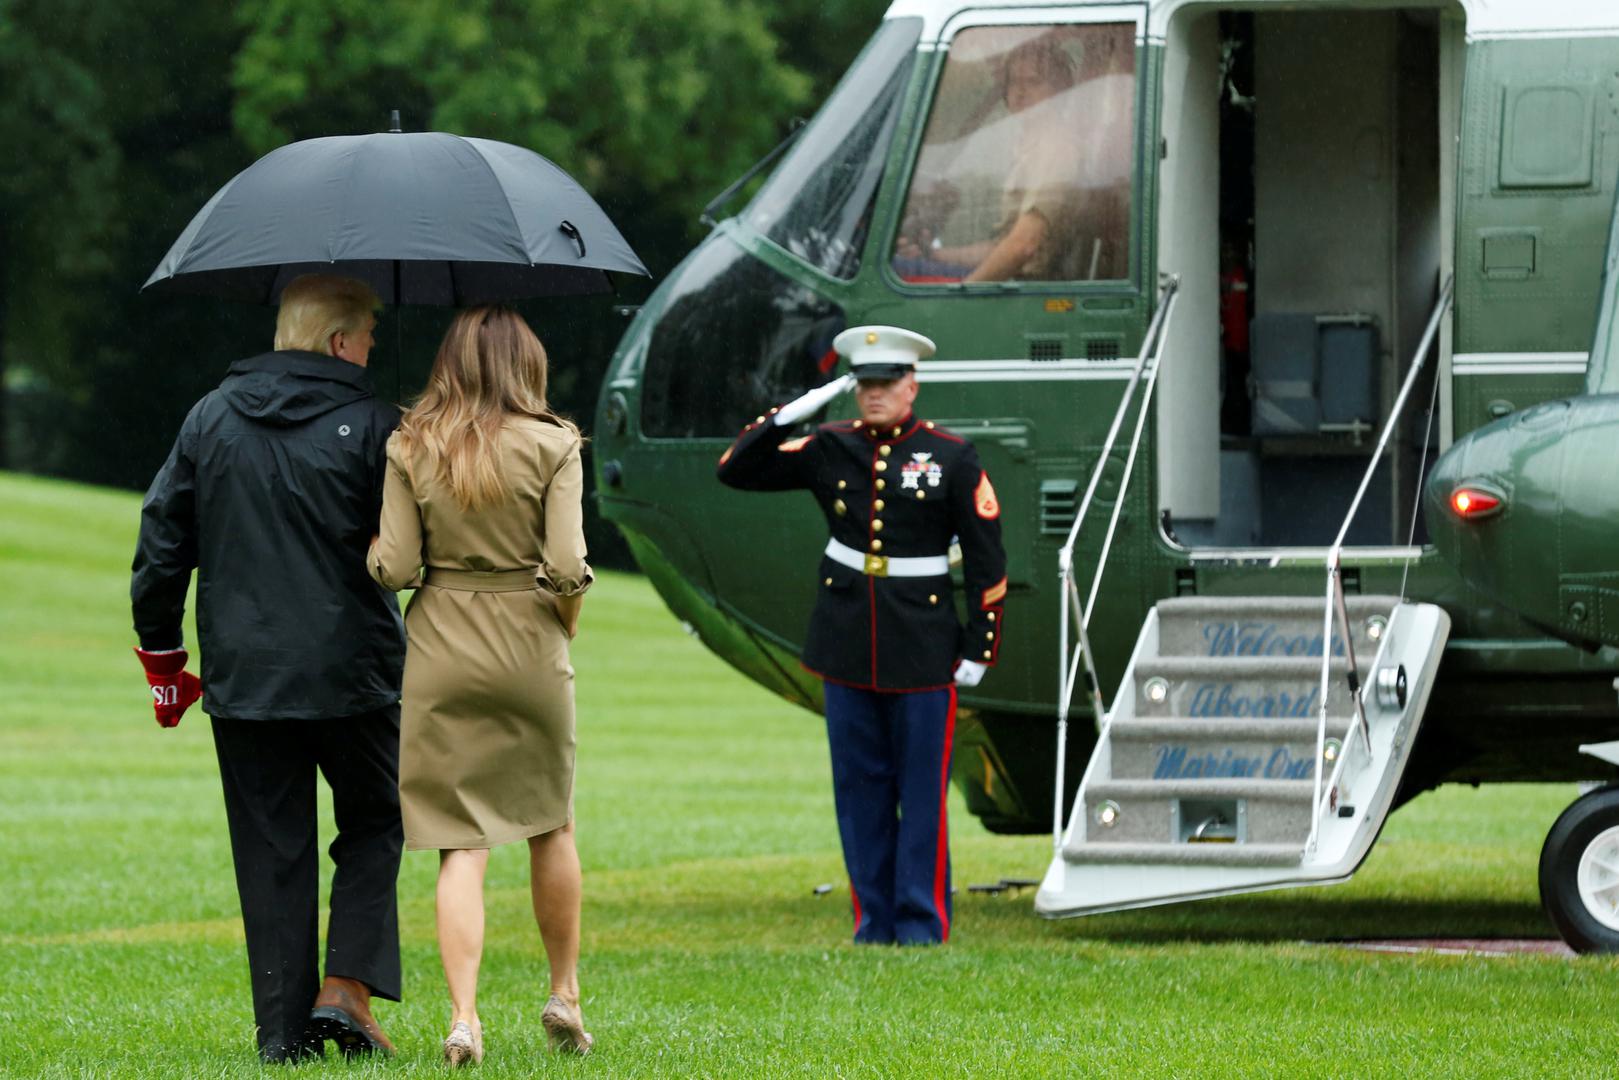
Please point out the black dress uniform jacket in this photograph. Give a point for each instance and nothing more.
(272, 493)
(903, 491)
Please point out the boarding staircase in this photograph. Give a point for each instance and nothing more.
(1205, 778)
(1254, 741)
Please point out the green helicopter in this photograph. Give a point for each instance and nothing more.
(1222, 293)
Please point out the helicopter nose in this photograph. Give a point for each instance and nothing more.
(1502, 502)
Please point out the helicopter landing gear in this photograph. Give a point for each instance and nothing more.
(1579, 872)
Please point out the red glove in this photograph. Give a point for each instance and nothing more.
(173, 687)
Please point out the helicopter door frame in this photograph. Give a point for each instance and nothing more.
(1136, 14)
(1450, 62)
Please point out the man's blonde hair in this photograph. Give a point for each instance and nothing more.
(316, 306)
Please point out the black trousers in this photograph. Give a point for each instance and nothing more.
(268, 768)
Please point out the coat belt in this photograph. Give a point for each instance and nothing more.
(886, 565)
(482, 580)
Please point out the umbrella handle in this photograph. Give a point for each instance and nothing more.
(571, 231)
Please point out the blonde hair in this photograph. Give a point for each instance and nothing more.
(490, 367)
(316, 306)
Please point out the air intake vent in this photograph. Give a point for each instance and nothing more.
(1102, 349)
(1059, 502)
(1050, 348)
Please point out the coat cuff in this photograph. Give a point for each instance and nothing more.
(559, 585)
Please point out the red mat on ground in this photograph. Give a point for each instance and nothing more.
(1460, 946)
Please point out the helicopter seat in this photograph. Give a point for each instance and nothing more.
(1314, 373)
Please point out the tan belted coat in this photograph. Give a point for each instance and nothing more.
(487, 733)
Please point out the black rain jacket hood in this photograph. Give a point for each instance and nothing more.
(272, 493)
(287, 388)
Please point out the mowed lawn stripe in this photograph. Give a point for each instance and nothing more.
(705, 825)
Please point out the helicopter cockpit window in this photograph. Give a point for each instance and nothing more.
(1025, 167)
(734, 338)
(817, 204)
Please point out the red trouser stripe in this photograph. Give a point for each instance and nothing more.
(854, 896)
(941, 862)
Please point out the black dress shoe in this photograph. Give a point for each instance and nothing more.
(303, 1050)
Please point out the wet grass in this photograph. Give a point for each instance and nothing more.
(705, 825)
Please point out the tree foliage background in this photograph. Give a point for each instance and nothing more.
(119, 119)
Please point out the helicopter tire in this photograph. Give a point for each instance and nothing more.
(1579, 872)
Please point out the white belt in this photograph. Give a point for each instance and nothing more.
(886, 566)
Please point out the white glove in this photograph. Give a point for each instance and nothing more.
(969, 673)
(810, 403)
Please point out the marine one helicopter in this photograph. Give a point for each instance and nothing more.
(1223, 292)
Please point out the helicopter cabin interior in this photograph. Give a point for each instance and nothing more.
(1308, 273)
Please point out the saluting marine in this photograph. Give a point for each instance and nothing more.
(884, 636)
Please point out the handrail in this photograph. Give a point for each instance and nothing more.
(1070, 606)
(1335, 605)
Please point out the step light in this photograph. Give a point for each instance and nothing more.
(1331, 750)
(1107, 813)
(1157, 689)
(1375, 627)
(1473, 501)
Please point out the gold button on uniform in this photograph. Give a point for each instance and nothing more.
(876, 545)
(988, 655)
(929, 425)
(882, 466)
(829, 581)
(838, 505)
(992, 616)
(990, 636)
(878, 505)
(857, 424)
(842, 484)
(877, 525)
(881, 483)
(921, 494)
(933, 598)
(897, 431)
(885, 450)
(758, 419)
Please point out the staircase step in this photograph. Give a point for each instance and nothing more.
(1214, 626)
(1187, 854)
(1147, 728)
(1187, 748)
(1150, 811)
(1287, 791)
(1239, 687)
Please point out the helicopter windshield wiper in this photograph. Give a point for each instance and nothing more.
(707, 216)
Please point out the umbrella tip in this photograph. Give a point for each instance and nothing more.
(393, 122)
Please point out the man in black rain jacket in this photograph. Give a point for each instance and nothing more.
(272, 493)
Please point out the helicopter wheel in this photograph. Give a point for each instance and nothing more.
(1579, 872)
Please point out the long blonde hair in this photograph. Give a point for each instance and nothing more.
(490, 367)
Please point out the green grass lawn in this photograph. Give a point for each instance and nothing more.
(705, 823)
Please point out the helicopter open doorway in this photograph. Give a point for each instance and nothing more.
(1307, 271)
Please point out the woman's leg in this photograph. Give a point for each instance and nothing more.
(460, 927)
(554, 880)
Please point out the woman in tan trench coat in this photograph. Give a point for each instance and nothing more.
(481, 512)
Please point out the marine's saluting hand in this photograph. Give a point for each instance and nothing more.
(809, 404)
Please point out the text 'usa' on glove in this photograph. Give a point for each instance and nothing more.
(174, 689)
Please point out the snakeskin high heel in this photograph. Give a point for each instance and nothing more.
(565, 1027)
(463, 1045)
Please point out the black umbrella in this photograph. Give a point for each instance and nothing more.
(423, 218)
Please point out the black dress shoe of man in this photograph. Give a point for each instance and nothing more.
(290, 1054)
(342, 1013)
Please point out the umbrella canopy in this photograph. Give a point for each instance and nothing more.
(423, 218)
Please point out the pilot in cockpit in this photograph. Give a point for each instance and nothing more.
(1061, 148)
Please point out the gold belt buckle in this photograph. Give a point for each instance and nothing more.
(877, 565)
